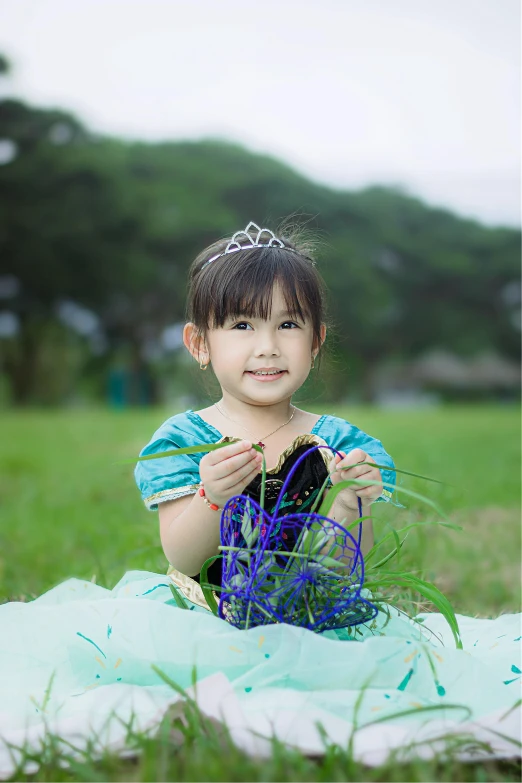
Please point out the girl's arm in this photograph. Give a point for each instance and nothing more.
(189, 532)
(189, 528)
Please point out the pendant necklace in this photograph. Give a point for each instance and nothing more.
(260, 442)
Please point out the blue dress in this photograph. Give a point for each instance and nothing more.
(81, 660)
(174, 477)
(170, 478)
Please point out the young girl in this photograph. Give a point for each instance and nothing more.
(256, 315)
(85, 662)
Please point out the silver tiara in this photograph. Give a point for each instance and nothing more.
(243, 236)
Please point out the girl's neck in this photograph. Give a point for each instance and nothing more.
(256, 418)
(301, 423)
(255, 422)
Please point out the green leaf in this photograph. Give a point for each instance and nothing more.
(201, 448)
(320, 494)
(333, 563)
(396, 539)
(249, 532)
(330, 498)
(311, 539)
(263, 480)
(388, 557)
(396, 470)
(417, 711)
(206, 587)
(178, 598)
(428, 590)
(385, 538)
(174, 685)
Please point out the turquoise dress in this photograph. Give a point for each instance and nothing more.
(82, 660)
(169, 478)
(174, 477)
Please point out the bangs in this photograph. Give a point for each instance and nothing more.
(242, 283)
(246, 289)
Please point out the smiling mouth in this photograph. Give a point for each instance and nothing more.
(264, 373)
(266, 376)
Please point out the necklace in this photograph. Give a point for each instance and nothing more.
(260, 442)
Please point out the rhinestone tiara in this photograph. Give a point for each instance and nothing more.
(244, 237)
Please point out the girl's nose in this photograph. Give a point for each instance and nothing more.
(267, 346)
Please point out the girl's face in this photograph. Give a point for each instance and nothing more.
(258, 361)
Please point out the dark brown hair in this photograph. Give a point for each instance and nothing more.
(241, 283)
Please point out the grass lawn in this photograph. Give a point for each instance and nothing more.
(67, 509)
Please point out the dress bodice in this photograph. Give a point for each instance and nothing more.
(303, 489)
(171, 477)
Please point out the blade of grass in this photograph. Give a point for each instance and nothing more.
(387, 558)
(397, 470)
(330, 498)
(206, 587)
(263, 480)
(180, 601)
(202, 448)
(385, 538)
(417, 711)
(428, 590)
(205, 447)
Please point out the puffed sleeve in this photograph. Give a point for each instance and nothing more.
(344, 436)
(169, 478)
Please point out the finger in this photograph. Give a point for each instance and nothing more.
(370, 478)
(238, 488)
(218, 455)
(360, 484)
(357, 471)
(368, 492)
(356, 455)
(348, 464)
(228, 466)
(240, 474)
(338, 457)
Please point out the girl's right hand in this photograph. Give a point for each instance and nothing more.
(226, 472)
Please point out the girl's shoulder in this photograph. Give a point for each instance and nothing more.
(185, 429)
(345, 436)
(174, 476)
(342, 434)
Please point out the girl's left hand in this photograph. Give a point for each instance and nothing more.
(354, 466)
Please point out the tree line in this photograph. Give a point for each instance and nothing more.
(105, 229)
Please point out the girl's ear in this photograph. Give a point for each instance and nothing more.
(316, 348)
(195, 344)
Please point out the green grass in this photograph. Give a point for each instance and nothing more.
(67, 509)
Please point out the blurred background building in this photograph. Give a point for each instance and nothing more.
(132, 134)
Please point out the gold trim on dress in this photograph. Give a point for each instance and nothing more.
(307, 437)
(171, 494)
(300, 440)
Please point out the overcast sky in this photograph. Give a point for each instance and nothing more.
(419, 93)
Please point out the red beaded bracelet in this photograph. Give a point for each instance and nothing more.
(206, 500)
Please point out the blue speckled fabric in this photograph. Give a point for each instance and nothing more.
(85, 663)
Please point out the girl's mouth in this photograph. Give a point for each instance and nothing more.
(266, 375)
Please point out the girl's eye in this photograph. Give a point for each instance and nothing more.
(244, 325)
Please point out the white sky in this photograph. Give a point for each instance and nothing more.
(420, 93)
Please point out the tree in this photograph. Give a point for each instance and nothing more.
(113, 226)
